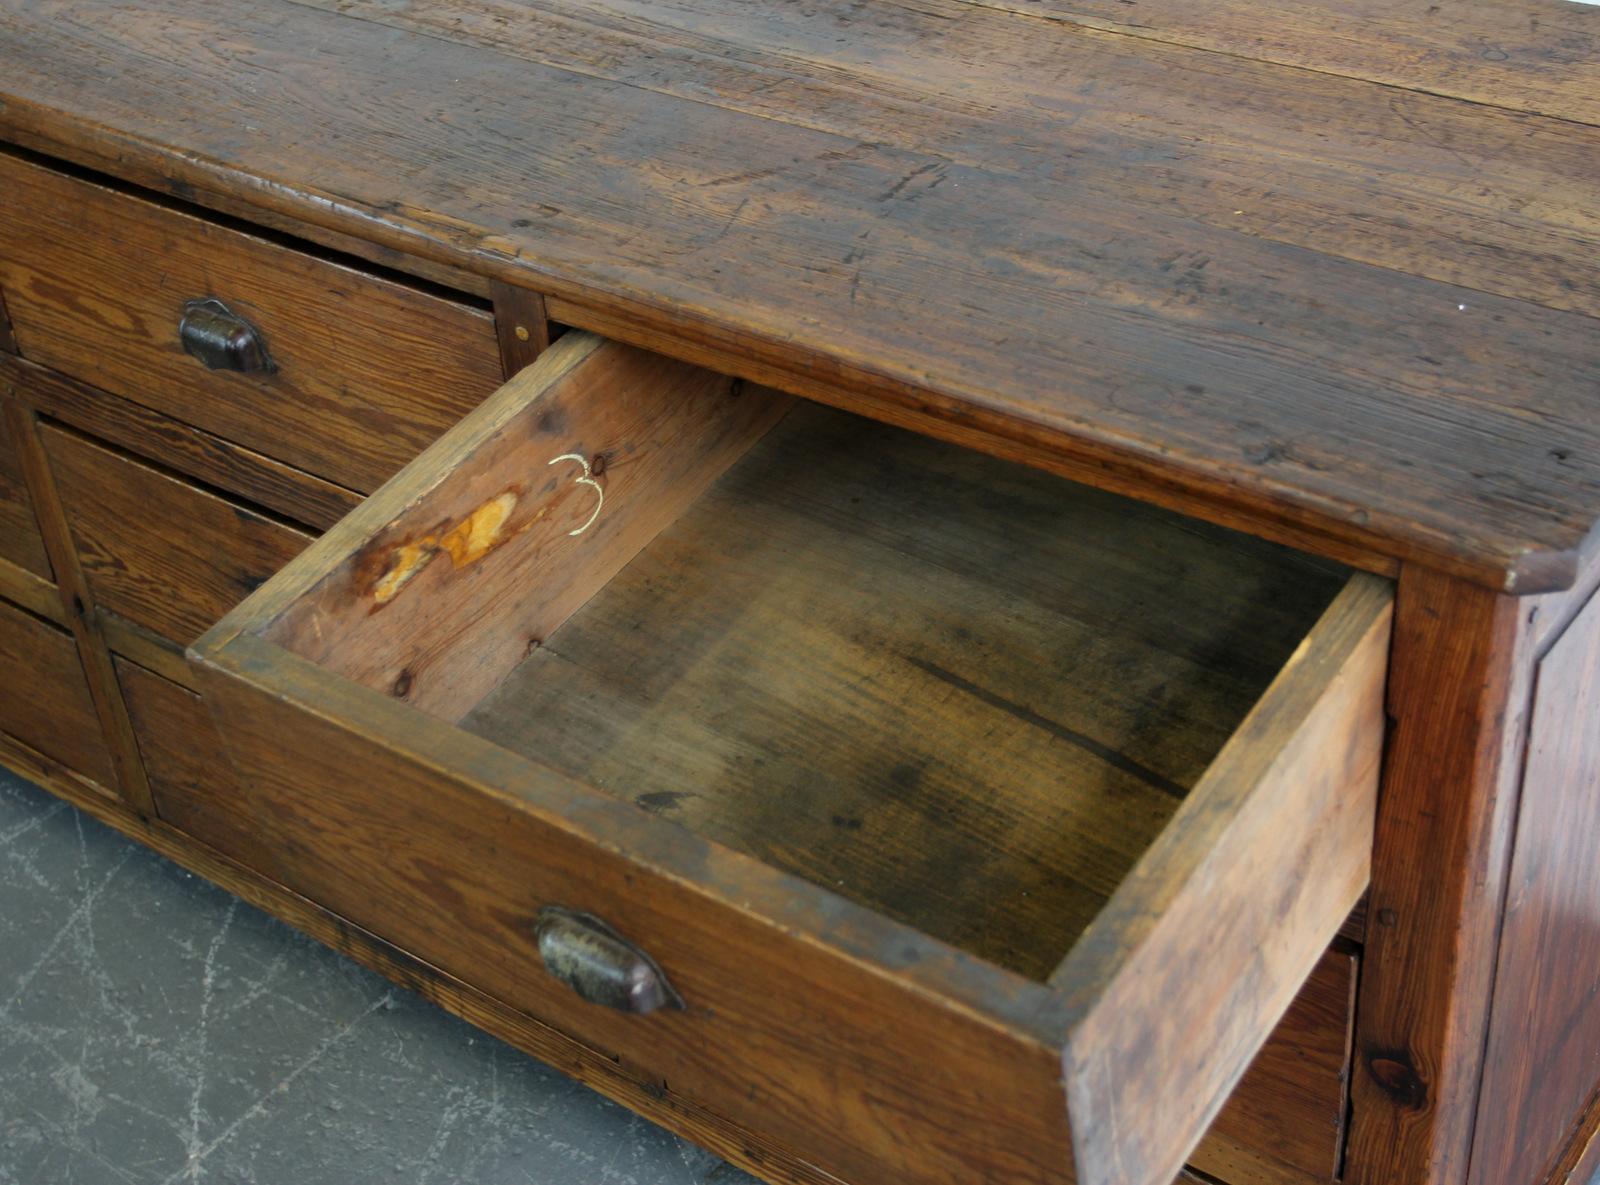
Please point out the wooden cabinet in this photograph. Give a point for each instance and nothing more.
(873, 749)
(799, 667)
(961, 825)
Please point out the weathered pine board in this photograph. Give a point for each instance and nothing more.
(1525, 55)
(1223, 918)
(1235, 146)
(1020, 293)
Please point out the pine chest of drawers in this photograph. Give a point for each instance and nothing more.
(912, 616)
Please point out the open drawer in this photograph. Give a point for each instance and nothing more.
(938, 818)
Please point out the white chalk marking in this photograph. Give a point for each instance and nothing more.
(586, 480)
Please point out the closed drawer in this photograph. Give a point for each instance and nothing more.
(44, 696)
(20, 542)
(1286, 1119)
(191, 779)
(163, 553)
(962, 824)
(364, 370)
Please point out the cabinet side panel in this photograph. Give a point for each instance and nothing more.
(1543, 1059)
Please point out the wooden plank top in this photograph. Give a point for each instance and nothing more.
(1326, 270)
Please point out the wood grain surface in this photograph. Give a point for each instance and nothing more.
(1289, 1108)
(1581, 1162)
(1457, 699)
(367, 370)
(1543, 1062)
(44, 699)
(744, 1147)
(522, 325)
(996, 576)
(190, 451)
(469, 560)
(805, 1011)
(20, 541)
(601, 1071)
(1303, 298)
(951, 689)
(191, 778)
(8, 341)
(81, 616)
(33, 593)
(171, 556)
(1538, 56)
(1207, 941)
(145, 648)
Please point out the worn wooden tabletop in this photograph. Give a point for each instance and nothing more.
(1326, 268)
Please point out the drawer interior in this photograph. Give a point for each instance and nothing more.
(886, 752)
(963, 693)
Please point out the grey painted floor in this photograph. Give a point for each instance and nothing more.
(153, 1029)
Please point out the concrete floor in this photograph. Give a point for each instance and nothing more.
(154, 1029)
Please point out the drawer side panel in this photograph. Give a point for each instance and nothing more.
(1202, 950)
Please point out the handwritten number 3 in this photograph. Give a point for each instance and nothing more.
(586, 480)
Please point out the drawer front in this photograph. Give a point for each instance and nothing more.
(44, 697)
(363, 373)
(156, 550)
(1289, 1109)
(348, 690)
(20, 542)
(191, 778)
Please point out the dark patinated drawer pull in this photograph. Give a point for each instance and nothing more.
(220, 338)
(599, 964)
